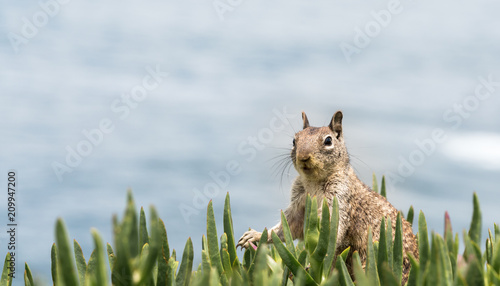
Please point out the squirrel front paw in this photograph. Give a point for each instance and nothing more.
(248, 237)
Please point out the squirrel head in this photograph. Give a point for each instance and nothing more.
(318, 152)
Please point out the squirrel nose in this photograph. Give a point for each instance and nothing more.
(304, 157)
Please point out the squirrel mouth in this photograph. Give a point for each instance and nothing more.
(308, 168)
(305, 168)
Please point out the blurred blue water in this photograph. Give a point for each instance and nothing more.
(225, 81)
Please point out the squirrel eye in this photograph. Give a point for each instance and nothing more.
(293, 142)
(328, 141)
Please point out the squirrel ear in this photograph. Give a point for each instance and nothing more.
(306, 121)
(336, 124)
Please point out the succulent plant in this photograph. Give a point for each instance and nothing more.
(141, 256)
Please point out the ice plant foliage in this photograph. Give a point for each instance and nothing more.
(141, 255)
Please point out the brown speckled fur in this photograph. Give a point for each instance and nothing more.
(325, 172)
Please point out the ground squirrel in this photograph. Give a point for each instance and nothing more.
(320, 157)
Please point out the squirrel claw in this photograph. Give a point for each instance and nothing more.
(248, 237)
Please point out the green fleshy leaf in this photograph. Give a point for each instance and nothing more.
(186, 266)
(287, 234)
(434, 269)
(99, 260)
(344, 277)
(496, 256)
(475, 225)
(143, 230)
(290, 260)
(260, 274)
(81, 264)
(387, 277)
(205, 261)
(450, 243)
(148, 260)
(359, 273)
(226, 263)
(448, 231)
(140, 274)
(374, 183)
(389, 243)
(121, 273)
(409, 215)
(214, 278)
(302, 258)
(489, 248)
(382, 248)
(111, 256)
(415, 277)
(319, 253)
(172, 266)
(312, 233)
(223, 244)
(397, 265)
(382, 188)
(252, 253)
(91, 269)
(6, 273)
(161, 276)
(444, 260)
(471, 248)
(65, 260)
(28, 278)
(212, 239)
(475, 273)
(455, 247)
(228, 229)
(423, 242)
(53, 264)
(345, 253)
(324, 235)
(285, 277)
(493, 277)
(334, 224)
(260, 247)
(332, 280)
(130, 225)
(460, 280)
(371, 262)
(497, 232)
